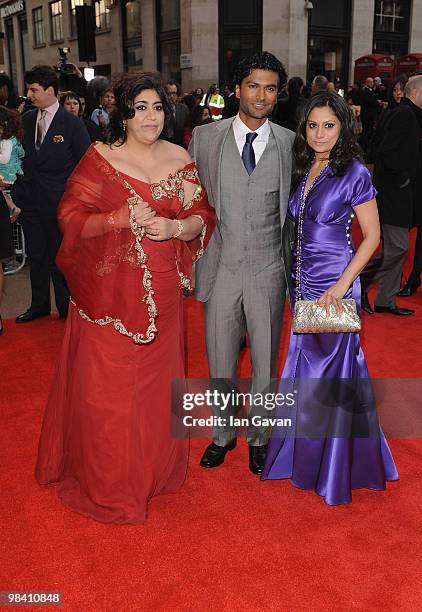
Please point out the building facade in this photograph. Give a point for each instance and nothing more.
(199, 42)
(36, 30)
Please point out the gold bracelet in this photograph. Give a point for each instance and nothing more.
(179, 230)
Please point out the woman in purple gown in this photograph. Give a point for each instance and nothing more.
(335, 443)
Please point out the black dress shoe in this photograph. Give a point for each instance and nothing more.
(30, 315)
(395, 310)
(214, 455)
(409, 289)
(366, 306)
(257, 456)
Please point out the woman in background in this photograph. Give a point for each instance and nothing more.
(73, 103)
(198, 116)
(289, 109)
(101, 115)
(11, 155)
(6, 247)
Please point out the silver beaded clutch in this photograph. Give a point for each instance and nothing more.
(310, 318)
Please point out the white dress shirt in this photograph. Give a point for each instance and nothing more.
(240, 130)
(51, 111)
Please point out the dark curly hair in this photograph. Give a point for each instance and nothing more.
(126, 89)
(11, 124)
(45, 76)
(344, 151)
(195, 116)
(260, 61)
(400, 80)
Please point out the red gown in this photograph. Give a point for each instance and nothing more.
(106, 437)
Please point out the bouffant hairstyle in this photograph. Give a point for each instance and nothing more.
(260, 61)
(11, 124)
(344, 151)
(126, 89)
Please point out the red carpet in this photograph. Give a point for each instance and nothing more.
(226, 541)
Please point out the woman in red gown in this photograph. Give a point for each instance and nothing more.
(134, 219)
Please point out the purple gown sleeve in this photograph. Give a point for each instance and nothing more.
(362, 189)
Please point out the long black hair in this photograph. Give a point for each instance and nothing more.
(294, 89)
(344, 151)
(126, 89)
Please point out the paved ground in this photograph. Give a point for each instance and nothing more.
(17, 294)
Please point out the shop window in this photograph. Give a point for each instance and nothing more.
(56, 21)
(24, 40)
(391, 16)
(240, 34)
(391, 27)
(132, 35)
(329, 40)
(38, 25)
(168, 38)
(102, 15)
(169, 15)
(329, 14)
(73, 27)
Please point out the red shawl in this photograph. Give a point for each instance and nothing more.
(109, 276)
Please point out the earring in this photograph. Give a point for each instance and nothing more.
(124, 125)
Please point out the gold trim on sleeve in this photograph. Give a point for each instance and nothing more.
(138, 232)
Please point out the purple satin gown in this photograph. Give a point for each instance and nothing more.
(331, 465)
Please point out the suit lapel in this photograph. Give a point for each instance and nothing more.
(31, 131)
(215, 154)
(284, 157)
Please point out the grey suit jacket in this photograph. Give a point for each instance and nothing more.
(206, 149)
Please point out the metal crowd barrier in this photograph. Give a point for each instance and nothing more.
(18, 260)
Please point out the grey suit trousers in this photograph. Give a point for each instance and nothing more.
(244, 302)
(387, 265)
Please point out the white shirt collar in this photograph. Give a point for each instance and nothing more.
(52, 110)
(240, 130)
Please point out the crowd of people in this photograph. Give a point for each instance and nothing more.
(127, 192)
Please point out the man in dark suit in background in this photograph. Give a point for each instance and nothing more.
(370, 109)
(231, 102)
(54, 142)
(180, 112)
(397, 176)
(320, 83)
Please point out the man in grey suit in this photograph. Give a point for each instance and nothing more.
(245, 164)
